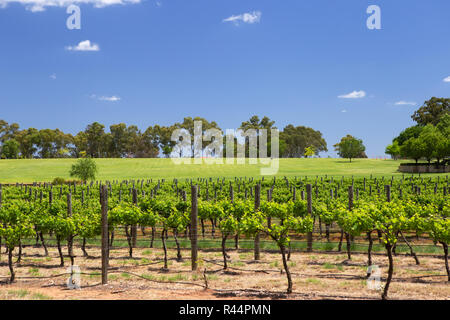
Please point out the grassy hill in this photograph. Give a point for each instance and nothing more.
(12, 171)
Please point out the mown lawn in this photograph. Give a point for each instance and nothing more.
(12, 171)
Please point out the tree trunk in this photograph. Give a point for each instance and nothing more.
(10, 265)
(163, 238)
(111, 239)
(83, 248)
(445, 246)
(153, 237)
(379, 236)
(369, 251)
(340, 241)
(390, 271)
(19, 258)
(213, 228)
(224, 253)
(411, 249)
(327, 232)
(202, 222)
(349, 252)
(179, 257)
(70, 249)
(61, 257)
(130, 242)
(43, 243)
(286, 269)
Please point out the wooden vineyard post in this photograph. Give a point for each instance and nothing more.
(309, 235)
(134, 227)
(269, 199)
(105, 240)
(350, 207)
(257, 204)
(350, 197)
(193, 229)
(70, 237)
(388, 193)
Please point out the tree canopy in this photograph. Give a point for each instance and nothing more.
(350, 147)
(85, 169)
(430, 138)
(128, 141)
(432, 111)
(297, 139)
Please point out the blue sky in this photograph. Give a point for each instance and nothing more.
(164, 60)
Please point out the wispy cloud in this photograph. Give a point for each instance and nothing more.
(353, 95)
(250, 18)
(105, 98)
(84, 46)
(405, 103)
(112, 98)
(41, 5)
(447, 79)
(344, 111)
(53, 76)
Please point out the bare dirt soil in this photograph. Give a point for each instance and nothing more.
(316, 275)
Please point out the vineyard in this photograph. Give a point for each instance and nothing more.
(234, 226)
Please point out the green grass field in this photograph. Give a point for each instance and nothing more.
(45, 170)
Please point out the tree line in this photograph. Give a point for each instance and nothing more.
(429, 139)
(124, 141)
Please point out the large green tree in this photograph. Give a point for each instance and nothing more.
(95, 140)
(297, 139)
(254, 123)
(408, 133)
(10, 149)
(393, 150)
(8, 131)
(28, 140)
(428, 139)
(413, 148)
(350, 147)
(432, 111)
(188, 124)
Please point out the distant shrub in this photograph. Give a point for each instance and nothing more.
(85, 169)
(58, 181)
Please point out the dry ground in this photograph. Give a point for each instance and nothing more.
(315, 276)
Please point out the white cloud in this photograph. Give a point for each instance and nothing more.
(111, 99)
(353, 95)
(53, 76)
(250, 17)
(41, 5)
(405, 103)
(344, 111)
(84, 46)
(447, 79)
(106, 98)
(158, 4)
